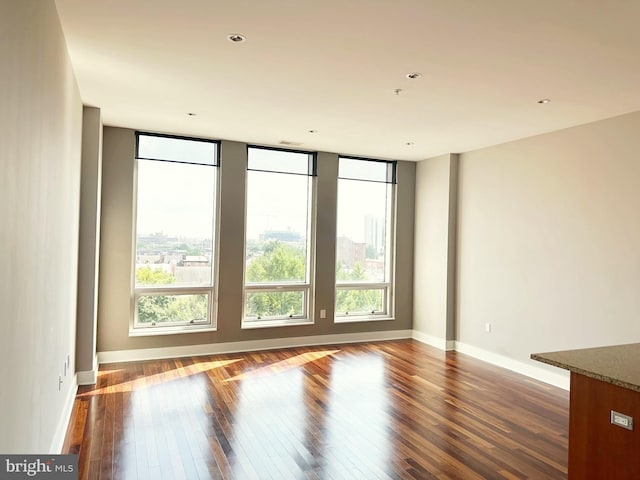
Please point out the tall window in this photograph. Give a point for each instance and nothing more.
(175, 247)
(364, 243)
(278, 248)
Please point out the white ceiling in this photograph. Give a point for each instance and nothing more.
(333, 66)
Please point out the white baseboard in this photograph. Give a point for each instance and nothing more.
(63, 421)
(89, 377)
(437, 342)
(248, 346)
(560, 379)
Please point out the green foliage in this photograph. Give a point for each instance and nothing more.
(153, 276)
(358, 273)
(371, 252)
(361, 302)
(283, 262)
(340, 273)
(274, 304)
(356, 301)
(152, 308)
(174, 309)
(167, 308)
(279, 263)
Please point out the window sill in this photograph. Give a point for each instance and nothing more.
(356, 319)
(176, 330)
(275, 323)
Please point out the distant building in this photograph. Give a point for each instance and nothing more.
(349, 252)
(286, 236)
(174, 258)
(195, 261)
(193, 274)
(374, 234)
(374, 269)
(149, 259)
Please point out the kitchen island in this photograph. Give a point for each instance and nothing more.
(604, 442)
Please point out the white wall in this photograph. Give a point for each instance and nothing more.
(89, 248)
(434, 257)
(549, 241)
(40, 130)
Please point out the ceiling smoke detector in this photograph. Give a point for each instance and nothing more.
(236, 37)
(414, 75)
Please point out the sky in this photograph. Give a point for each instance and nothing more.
(177, 198)
(356, 200)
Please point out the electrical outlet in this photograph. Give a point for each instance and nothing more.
(487, 327)
(621, 420)
(323, 314)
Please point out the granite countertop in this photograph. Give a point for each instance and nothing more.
(619, 365)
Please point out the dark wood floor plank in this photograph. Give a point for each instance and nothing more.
(386, 410)
(75, 430)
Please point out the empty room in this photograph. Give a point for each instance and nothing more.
(287, 239)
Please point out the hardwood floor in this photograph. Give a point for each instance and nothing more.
(387, 410)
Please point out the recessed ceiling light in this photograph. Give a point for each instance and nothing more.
(408, 144)
(544, 100)
(236, 38)
(313, 131)
(191, 114)
(414, 75)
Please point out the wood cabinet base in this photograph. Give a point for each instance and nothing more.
(597, 449)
